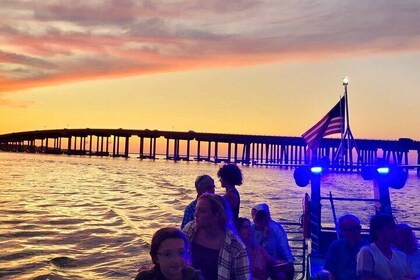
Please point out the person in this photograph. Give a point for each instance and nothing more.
(272, 237)
(406, 242)
(216, 251)
(380, 260)
(169, 252)
(341, 256)
(203, 183)
(262, 264)
(230, 176)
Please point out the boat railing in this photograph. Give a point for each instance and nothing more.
(298, 246)
(365, 231)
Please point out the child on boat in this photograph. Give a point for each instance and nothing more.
(169, 252)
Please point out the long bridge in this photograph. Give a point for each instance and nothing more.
(215, 147)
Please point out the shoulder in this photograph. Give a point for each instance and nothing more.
(189, 273)
(232, 195)
(399, 254)
(234, 241)
(146, 275)
(192, 204)
(336, 244)
(277, 227)
(368, 249)
(190, 230)
(415, 255)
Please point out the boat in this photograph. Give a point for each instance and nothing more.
(316, 237)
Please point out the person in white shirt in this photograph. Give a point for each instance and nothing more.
(379, 260)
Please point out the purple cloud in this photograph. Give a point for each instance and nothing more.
(56, 41)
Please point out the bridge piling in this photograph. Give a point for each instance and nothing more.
(254, 149)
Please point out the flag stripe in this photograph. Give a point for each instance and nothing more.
(331, 123)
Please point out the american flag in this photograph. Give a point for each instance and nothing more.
(331, 123)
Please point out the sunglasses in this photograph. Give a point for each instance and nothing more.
(353, 228)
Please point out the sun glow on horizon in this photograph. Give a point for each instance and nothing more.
(207, 68)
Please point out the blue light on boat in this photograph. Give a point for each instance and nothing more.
(383, 170)
(316, 170)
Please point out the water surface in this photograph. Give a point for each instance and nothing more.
(70, 217)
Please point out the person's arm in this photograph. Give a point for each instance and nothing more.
(283, 244)
(269, 259)
(330, 261)
(190, 230)
(241, 265)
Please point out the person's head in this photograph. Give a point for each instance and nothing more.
(244, 229)
(349, 228)
(261, 219)
(406, 240)
(212, 210)
(204, 183)
(382, 228)
(261, 206)
(230, 175)
(169, 250)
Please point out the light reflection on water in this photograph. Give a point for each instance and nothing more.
(92, 218)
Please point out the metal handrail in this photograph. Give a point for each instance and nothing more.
(298, 246)
(350, 199)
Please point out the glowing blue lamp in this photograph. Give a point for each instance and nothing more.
(316, 170)
(383, 170)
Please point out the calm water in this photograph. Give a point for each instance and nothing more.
(92, 218)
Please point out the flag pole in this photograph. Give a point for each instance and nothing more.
(341, 151)
(347, 120)
(348, 135)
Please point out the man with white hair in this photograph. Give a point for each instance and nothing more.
(341, 257)
(203, 184)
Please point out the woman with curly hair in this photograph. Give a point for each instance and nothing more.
(230, 176)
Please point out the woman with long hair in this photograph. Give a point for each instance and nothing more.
(215, 250)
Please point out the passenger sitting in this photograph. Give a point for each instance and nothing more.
(406, 241)
(380, 260)
(341, 256)
(262, 263)
(169, 252)
(203, 184)
(272, 237)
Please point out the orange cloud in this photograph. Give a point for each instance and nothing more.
(54, 42)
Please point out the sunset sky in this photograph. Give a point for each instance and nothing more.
(229, 66)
